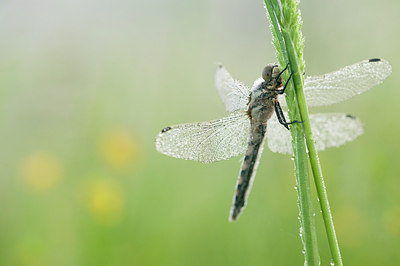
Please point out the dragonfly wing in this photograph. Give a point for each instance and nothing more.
(346, 82)
(234, 94)
(206, 142)
(278, 137)
(329, 130)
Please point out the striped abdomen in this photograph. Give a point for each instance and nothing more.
(248, 169)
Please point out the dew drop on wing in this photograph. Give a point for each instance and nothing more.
(165, 129)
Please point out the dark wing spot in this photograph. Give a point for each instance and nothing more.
(374, 60)
(350, 116)
(165, 129)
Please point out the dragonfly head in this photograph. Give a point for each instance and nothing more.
(270, 72)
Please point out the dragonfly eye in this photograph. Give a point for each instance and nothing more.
(270, 72)
(267, 73)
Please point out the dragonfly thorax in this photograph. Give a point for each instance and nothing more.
(261, 100)
(260, 107)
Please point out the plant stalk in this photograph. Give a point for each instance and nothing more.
(307, 231)
(286, 50)
(319, 181)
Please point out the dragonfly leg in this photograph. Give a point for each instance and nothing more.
(281, 116)
(280, 73)
(282, 91)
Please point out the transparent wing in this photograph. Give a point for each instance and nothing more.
(344, 83)
(206, 142)
(329, 130)
(234, 94)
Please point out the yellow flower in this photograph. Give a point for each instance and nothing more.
(105, 200)
(41, 171)
(118, 148)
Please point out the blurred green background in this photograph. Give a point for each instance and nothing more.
(86, 85)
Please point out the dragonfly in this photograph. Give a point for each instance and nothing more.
(256, 116)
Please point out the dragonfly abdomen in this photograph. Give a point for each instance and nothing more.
(248, 169)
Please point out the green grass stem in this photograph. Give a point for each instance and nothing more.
(319, 180)
(286, 29)
(285, 56)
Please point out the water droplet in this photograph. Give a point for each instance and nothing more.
(313, 214)
(295, 187)
(317, 199)
(332, 263)
(303, 251)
